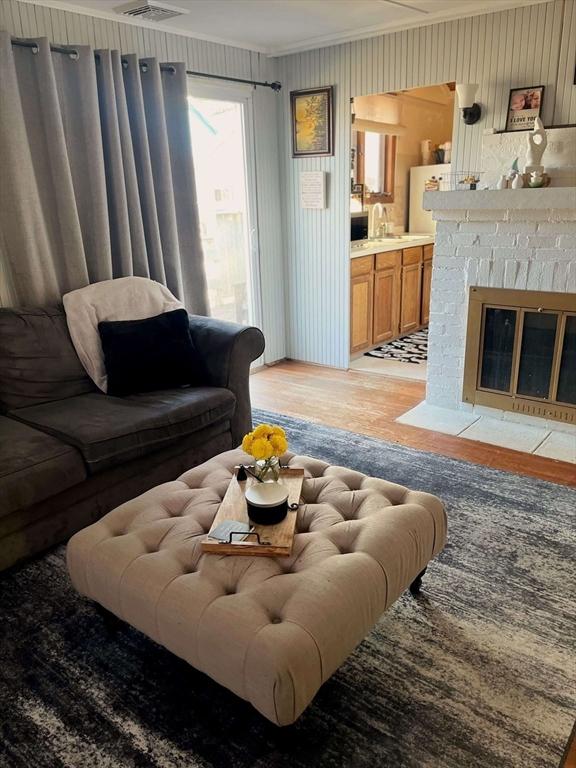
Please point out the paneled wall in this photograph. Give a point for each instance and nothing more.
(29, 20)
(527, 46)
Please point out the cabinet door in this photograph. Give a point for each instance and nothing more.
(426, 285)
(361, 291)
(410, 302)
(386, 304)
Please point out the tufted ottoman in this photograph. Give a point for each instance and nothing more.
(272, 630)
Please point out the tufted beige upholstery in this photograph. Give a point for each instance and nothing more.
(270, 629)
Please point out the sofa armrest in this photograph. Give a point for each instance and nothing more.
(227, 350)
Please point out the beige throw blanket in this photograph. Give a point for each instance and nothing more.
(126, 298)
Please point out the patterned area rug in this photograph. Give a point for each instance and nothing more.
(477, 672)
(408, 349)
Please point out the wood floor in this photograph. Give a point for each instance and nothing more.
(369, 404)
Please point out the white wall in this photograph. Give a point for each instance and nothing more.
(526, 46)
(28, 20)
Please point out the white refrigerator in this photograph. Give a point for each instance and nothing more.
(419, 220)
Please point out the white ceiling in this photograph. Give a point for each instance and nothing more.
(278, 27)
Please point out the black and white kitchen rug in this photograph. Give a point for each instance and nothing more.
(408, 349)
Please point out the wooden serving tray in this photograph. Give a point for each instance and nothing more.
(276, 540)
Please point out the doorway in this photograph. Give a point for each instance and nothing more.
(224, 169)
(401, 145)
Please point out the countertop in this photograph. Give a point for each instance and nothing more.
(390, 244)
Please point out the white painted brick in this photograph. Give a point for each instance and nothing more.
(492, 215)
(518, 227)
(537, 214)
(447, 226)
(569, 214)
(489, 248)
(571, 277)
(442, 262)
(446, 251)
(477, 227)
(484, 269)
(447, 215)
(537, 241)
(471, 271)
(465, 238)
(534, 281)
(567, 241)
(475, 251)
(509, 253)
(556, 228)
(510, 272)
(498, 241)
(560, 276)
(443, 243)
(547, 280)
(497, 273)
(555, 254)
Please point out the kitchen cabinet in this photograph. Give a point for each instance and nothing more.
(386, 296)
(361, 303)
(389, 295)
(411, 290)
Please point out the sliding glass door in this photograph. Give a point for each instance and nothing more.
(221, 128)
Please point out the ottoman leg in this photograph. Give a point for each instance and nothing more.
(417, 583)
(111, 622)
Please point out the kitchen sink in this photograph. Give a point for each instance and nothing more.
(387, 239)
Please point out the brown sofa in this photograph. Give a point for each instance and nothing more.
(69, 453)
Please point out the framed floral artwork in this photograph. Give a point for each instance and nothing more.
(312, 122)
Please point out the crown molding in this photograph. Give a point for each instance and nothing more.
(153, 26)
(365, 33)
(309, 44)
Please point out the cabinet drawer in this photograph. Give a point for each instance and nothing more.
(361, 266)
(388, 259)
(411, 255)
(428, 251)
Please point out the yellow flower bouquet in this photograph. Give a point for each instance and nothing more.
(266, 443)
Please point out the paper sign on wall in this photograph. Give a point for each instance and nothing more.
(312, 189)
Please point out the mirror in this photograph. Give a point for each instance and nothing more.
(373, 166)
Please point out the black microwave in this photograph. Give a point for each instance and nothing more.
(358, 226)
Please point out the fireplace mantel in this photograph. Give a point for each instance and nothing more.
(548, 198)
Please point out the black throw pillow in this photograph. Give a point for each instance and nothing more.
(155, 353)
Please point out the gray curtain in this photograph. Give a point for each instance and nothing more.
(96, 174)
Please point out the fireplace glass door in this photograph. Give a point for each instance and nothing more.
(522, 357)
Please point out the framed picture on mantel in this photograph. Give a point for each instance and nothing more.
(312, 122)
(524, 106)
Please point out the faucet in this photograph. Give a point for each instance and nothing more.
(379, 212)
(385, 223)
(376, 215)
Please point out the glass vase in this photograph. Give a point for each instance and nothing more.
(268, 470)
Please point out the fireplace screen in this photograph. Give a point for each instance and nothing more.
(521, 352)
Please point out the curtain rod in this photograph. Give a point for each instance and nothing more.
(73, 53)
(276, 86)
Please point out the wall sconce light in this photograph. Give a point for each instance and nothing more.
(470, 110)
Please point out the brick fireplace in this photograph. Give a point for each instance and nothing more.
(523, 240)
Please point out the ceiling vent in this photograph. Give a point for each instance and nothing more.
(139, 9)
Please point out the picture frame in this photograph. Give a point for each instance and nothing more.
(524, 106)
(311, 112)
